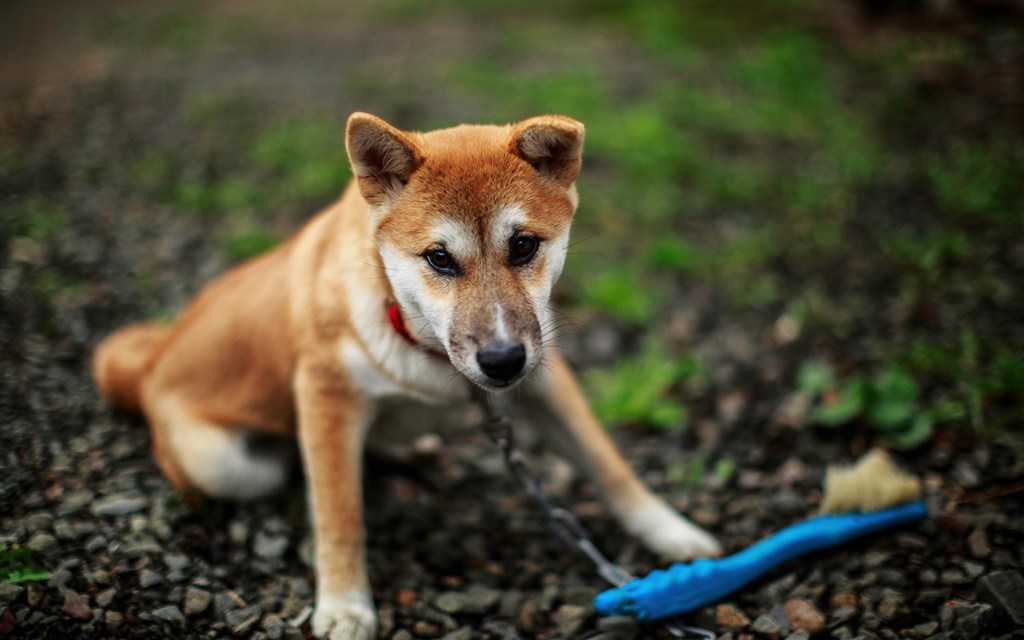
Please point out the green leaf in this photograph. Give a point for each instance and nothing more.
(724, 469)
(890, 415)
(815, 378)
(849, 405)
(920, 431)
(19, 565)
(895, 384)
(25, 575)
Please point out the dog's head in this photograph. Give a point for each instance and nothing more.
(472, 225)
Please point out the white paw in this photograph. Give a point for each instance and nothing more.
(348, 616)
(670, 535)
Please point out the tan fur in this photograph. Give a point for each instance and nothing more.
(122, 360)
(296, 342)
(874, 482)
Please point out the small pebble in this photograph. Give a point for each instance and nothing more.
(64, 530)
(804, 615)
(243, 620)
(843, 614)
(105, 597)
(774, 623)
(970, 620)
(176, 561)
(170, 613)
(10, 593)
(424, 629)
(114, 619)
(43, 543)
(74, 501)
(571, 618)
(149, 578)
(59, 578)
(463, 633)
(622, 627)
(843, 599)
(978, 545)
(34, 593)
(891, 607)
(196, 601)
(119, 504)
(224, 603)
(474, 601)
(731, 617)
(927, 629)
(269, 547)
(77, 606)
(1004, 590)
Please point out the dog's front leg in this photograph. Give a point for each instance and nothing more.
(332, 425)
(641, 512)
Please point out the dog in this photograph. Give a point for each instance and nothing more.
(430, 274)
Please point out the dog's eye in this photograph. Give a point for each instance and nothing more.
(522, 249)
(442, 262)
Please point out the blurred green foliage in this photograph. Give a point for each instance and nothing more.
(644, 389)
(21, 564)
(888, 403)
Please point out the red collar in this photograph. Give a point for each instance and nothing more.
(395, 316)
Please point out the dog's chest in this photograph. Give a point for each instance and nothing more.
(389, 370)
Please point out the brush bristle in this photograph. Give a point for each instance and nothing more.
(875, 482)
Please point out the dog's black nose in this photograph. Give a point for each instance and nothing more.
(501, 361)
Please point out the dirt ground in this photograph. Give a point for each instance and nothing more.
(755, 295)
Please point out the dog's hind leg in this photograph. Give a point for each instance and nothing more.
(221, 461)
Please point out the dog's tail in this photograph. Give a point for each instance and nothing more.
(122, 360)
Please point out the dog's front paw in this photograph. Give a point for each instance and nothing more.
(345, 617)
(670, 535)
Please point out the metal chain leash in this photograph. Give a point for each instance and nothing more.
(562, 521)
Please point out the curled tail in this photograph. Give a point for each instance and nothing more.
(123, 358)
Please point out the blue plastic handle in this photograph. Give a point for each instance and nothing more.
(684, 587)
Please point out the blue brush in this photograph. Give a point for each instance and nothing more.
(688, 586)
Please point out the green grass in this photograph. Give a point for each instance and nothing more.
(981, 180)
(292, 163)
(644, 389)
(248, 243)
(888, 403)
(21, 564)
(38, 219)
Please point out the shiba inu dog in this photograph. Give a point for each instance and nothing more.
(430, 274)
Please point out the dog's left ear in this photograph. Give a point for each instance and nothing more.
(382, 157)
(553, 145)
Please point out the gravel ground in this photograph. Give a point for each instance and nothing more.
(456, 550)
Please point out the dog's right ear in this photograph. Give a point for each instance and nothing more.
(382, 157)
(551, 144)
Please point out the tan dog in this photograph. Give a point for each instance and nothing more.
(459, 235)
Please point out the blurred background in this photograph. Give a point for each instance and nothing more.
(801, 228)
(842, 181)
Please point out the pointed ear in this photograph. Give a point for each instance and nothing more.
(382, 157)
(553, 145)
